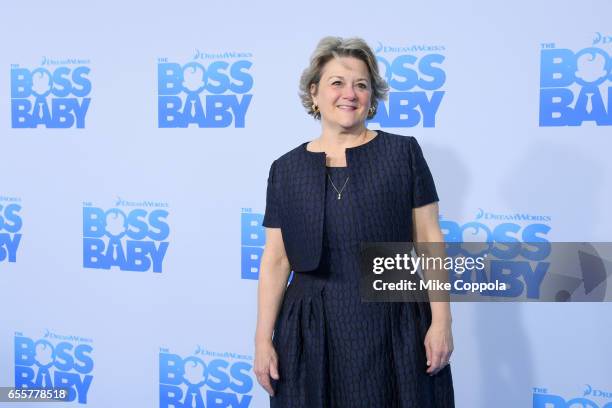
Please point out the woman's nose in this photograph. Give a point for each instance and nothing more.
(349, 93)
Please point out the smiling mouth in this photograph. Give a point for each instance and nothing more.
(346, 107)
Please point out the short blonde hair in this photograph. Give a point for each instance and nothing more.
(336, 47)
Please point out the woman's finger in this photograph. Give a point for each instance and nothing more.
(264, 381)
(428, 353)
(274, 369)
(436, 362)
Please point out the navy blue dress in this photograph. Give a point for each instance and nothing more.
(336, 351)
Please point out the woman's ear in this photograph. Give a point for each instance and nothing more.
(313, 93)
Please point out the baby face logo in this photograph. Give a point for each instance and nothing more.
(209, 94)
(132, 239)
(54, 95)
(54, 361)
(205, 379)
(576, 86)
(10, 227)
(415, 77)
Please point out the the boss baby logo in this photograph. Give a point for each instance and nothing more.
(54, 361)
(416, 77)
(205, 380)
(576, 86)
(205, 92)
(132, 239)
(54, 95)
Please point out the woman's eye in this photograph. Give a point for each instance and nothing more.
(362, 86)
(336, 83)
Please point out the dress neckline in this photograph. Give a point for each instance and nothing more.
(379, 133)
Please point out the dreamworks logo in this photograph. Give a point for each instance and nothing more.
(602, 39)
(66, 61)
(590, 391)
(120, 202)
(199, 55)
(382, 48)
(485, 215)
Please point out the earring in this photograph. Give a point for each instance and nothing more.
(372, 111)
(315, 108)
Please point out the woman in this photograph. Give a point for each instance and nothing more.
(317, 344)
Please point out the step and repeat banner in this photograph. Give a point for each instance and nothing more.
(135, 146)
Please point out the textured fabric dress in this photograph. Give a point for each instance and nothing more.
(336, 351)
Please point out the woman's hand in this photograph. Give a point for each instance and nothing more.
(266, 365)
(438, 346)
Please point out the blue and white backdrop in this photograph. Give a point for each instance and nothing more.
(134, 150)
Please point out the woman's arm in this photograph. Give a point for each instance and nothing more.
(439, 339)
(427, 229)
(273, 275)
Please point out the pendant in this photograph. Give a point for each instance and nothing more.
(339, 196)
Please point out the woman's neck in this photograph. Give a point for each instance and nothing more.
(335, 140)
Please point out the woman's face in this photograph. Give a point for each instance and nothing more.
(343, 93)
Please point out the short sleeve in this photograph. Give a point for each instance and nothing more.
(272, 215)
(423, 187)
